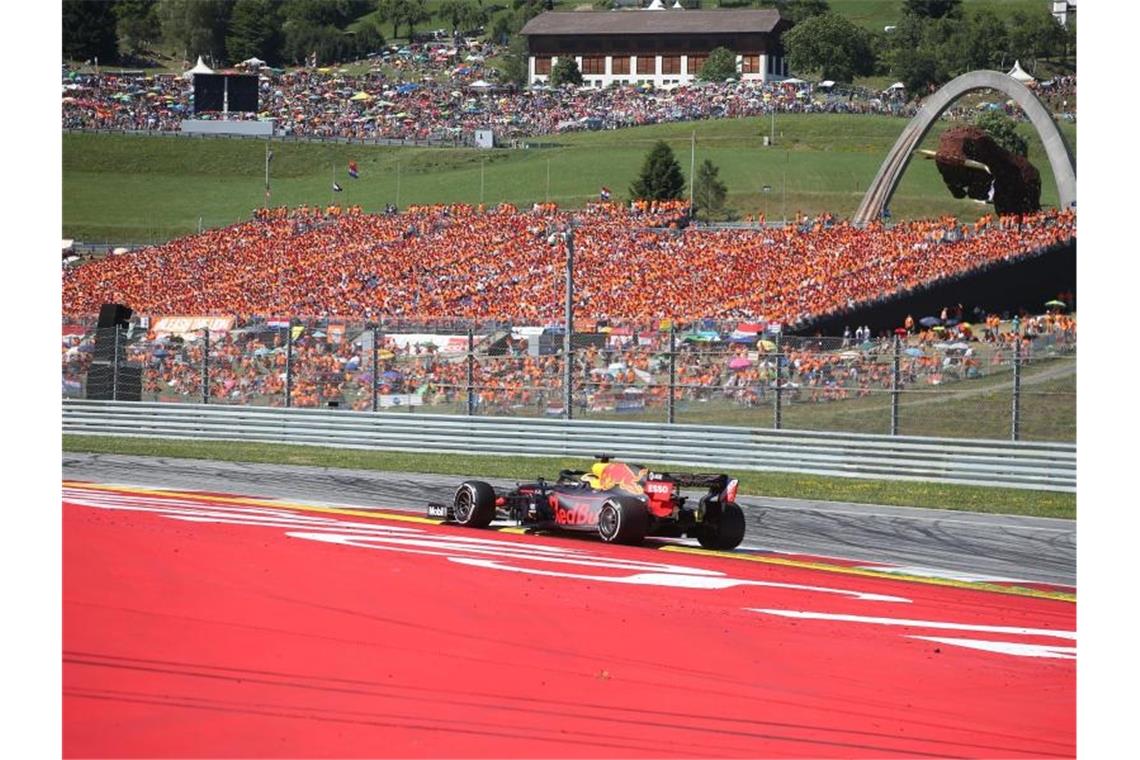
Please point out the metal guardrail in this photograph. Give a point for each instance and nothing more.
(1037, 466)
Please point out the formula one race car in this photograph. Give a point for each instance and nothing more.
(623, 503)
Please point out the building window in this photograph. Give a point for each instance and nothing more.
(620, 64)
(670, 64)
(696, 62)
(750, 64)
(593, 64)
(646, 64)
(542, 64)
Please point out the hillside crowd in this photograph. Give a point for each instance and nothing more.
(450, 107)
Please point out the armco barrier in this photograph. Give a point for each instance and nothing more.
(1040, 466)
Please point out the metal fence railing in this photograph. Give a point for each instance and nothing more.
(1039, 466)
(997, 387)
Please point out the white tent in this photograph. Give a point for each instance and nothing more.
(656, 5)
(895, 86)
(253, 63)
(677, 6)
(1020, 74)
(199, 68)
(827, 83)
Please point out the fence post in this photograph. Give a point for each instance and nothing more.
(1015, 431)
(777, 412)
(568, 378)
(672, 403)
(375, 367)
(289, 365)
(206, 365)
(895, 390)
(470, 371)
(115, 368)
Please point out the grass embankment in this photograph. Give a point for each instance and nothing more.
(148, 189)
(966, 498)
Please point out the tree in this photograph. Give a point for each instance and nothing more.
(565, 72)
(793, 10)
(137, 24)
(983, 42)
(1035, 35)
(831, 45)
(254, 31)
(89, 30)
(720, 65)
(708, 191)
(463, 14)
(660, 177)
(514, 62)
(197, 26)
(933, 8)
(918, 69)
(1004, 132)
(403, 12)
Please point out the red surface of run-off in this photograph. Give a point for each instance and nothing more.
(212, 627)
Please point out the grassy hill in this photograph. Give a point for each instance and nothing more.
(147, 189)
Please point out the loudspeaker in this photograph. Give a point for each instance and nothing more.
(101, 385)
(114, 315)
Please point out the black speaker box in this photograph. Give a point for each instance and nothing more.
(101, 384)
(114, 315)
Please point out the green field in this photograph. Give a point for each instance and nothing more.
(122, 188)
(970, 498)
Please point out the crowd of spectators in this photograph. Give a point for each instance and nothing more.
(469, 262)
(449, 105)
(633, 266)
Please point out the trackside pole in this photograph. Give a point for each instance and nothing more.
(1015, 430)
(777, 419)
(470, 372)
(671, 404)
(375, 367)
(567, 348)
(895, 390)
(205, 365)
(115, 368)
(289, 365)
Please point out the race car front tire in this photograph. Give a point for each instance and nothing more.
(623, 520)
(726, 532)
(474, 504)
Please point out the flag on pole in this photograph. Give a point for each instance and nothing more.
(605, 193)
(337, 188)
(352, 172)
(269, 156)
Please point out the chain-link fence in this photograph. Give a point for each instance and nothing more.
(708, 373)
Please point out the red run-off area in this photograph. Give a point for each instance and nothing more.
(211, 626)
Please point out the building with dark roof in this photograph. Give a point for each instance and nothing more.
(663, 47)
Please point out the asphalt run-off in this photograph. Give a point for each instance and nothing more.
(211, 625)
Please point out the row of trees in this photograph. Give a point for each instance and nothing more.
(277, 31)
(933, 41)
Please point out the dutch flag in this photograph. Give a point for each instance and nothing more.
(337, 188)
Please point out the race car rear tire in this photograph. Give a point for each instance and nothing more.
(474, 504)
(726, 532)
(623, 520)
